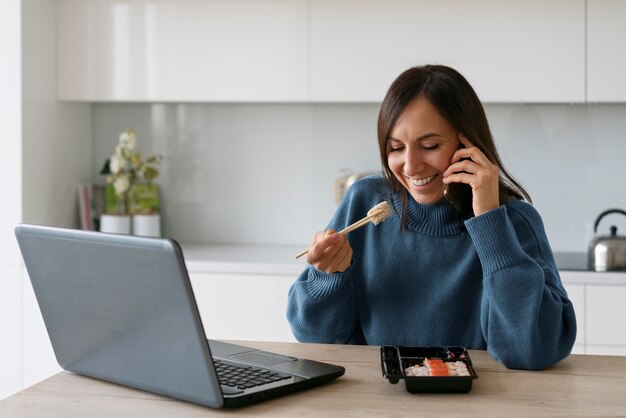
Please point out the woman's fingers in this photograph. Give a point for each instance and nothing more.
(346, 259)
(321, 241)
(337, 255)
(471, 166)
(467, 166)
(329, 252)
(471, 151)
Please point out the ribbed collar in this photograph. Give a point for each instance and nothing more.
(437, 219)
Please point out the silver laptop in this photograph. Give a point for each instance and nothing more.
(121, 308)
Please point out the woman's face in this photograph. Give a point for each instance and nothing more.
(419, 150)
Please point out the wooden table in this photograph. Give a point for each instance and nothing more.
(582, 385)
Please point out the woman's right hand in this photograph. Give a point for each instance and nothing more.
(329, 252)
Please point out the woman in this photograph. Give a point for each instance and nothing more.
(482, 277)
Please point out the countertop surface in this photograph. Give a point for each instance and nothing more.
(242, 258)
(581, 385)
(280, 260)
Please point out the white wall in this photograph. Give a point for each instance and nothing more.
(244, 173)
(264, 173)
(571, 160)
(56, 136)
(10, 210)
(47, 151)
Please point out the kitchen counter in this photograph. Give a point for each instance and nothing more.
(242, 258)
(280, 260)
(574, 270)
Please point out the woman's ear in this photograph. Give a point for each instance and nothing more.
(465, 143)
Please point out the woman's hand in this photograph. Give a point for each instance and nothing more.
(471, 166)
(329, 252)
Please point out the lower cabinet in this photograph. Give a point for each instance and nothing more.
(38, 360)
(243, 306)
(10, 347)
(576, 293)
(26, 352)
(599, 311)
(606, 329)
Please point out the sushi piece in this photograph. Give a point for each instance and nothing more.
(438, 367)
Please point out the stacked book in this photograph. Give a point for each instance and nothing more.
(91, 205)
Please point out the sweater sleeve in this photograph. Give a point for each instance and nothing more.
(527, 319)
(320, 307)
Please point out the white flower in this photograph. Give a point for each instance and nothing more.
(117, 163)
(128, 139)
(126, 167)
(121, 185)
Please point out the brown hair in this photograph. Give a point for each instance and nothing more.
(455, 99)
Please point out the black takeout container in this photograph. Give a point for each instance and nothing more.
(394, 360)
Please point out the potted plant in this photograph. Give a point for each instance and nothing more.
(130, 190)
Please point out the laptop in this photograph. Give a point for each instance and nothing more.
(121, 308)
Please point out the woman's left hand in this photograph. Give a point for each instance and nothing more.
(470, 166)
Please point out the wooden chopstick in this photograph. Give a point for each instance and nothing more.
(347, 229)
(356, 225)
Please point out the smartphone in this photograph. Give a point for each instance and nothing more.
(460, 196)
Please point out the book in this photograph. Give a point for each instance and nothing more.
(97, 204)
(90, 205)
(84, 206)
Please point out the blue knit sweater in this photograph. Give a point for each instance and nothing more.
(489, 282)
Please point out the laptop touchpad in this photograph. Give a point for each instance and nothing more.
(262, 358)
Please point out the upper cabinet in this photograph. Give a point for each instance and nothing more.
(183, 50)
(606, 51)
(510, 51)
(524, 51)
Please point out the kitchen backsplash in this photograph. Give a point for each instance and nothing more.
(265, 173)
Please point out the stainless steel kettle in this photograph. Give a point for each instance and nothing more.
(347, 179)
(608, 253)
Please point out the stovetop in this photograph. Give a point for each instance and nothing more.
(571, 261)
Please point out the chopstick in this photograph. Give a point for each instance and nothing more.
(344, 231)
(377, 213)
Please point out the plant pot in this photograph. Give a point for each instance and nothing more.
(148, 225)
(116, 224)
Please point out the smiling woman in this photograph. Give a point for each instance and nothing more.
(420, 149)
(431, 275)
(436, 108)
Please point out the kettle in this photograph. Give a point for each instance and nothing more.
(608, 253)
(347, 179)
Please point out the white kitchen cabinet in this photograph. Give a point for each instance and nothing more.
(598, 300)
(315, 50)
(237, 306)
(606, 51)
(576, 294)
(606, 310)
(10, 331)
(39, 361)
(183, 51)
(523, 51)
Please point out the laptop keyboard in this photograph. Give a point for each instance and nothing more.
(245, 377)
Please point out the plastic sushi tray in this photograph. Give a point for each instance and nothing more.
(429, 369)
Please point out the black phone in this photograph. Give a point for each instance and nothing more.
(460, 196)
